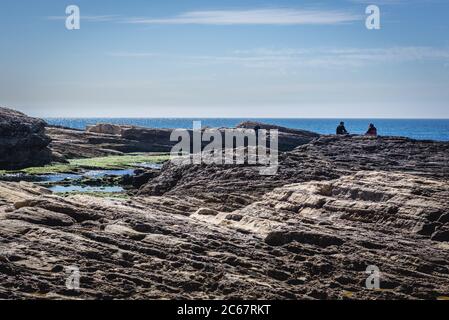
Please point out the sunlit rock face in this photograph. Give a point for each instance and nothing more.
(23, 142)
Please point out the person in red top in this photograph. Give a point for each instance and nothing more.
(372, 131)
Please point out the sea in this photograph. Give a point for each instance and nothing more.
(421, 129)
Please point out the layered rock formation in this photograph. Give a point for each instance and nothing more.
(23, 142)
(303, 241)
(75, 144)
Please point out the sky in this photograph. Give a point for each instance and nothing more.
(233, 58)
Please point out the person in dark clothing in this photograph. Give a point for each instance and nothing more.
(372, 130)
(341, 129)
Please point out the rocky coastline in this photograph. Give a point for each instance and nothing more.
(338, 205)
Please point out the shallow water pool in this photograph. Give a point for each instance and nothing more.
(63, 189)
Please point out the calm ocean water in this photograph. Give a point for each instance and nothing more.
(425, 129)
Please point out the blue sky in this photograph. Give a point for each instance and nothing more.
(244, 58)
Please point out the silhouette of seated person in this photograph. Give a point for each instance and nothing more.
(341, 130)
(372, 131)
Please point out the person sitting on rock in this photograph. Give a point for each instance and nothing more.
(341, 129)
(372, 131)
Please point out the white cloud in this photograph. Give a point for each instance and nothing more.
(387, 2)
(334, 57)
(380, 2)
(132, 54)
(255, 17)
(393, 54)
(313, 57)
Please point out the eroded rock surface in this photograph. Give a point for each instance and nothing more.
(302, 241)
(329, 157)
(23, 142)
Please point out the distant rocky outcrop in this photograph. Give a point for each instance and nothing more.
(107, 139)
(105, 128)
(104, 140)
(289, 139)
(23, 142)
